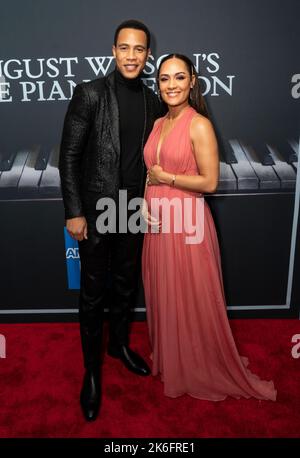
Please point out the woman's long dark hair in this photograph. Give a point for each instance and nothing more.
(196, 99)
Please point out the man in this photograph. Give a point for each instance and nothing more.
(106, 126)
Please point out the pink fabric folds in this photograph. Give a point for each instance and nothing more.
(193, 349)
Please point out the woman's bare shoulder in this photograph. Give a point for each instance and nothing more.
(158, 120)
(200, 122)
(200, 125)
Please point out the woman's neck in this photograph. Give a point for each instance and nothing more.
(175, 112)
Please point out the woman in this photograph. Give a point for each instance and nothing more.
(192, 345)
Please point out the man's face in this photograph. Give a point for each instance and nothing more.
(131, 52)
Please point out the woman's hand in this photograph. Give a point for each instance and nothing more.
(154, 175)
(150, 220)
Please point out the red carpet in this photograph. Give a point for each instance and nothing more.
(40, 380)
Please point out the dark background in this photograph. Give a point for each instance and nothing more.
(258, 42)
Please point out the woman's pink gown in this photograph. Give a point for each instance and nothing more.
(192, 345)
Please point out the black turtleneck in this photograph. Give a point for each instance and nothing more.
(132, 118)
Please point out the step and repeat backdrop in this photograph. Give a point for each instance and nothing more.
(247, 56)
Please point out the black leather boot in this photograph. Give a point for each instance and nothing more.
(90, 396)
(131, 360)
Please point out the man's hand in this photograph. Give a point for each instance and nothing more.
(77, 228)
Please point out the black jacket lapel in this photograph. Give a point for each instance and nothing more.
(113, 111)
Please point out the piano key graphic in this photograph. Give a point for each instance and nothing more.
(265, 173)
(228, 154)
(263, 154)
(50, 181)
(42, 159)
(30, 177)
(9, 179)
(295, 147)
(258, 168)
(286, 172)
(6, 161)
(227, 179)
(287, 152)
(246, 177)
(244, 167)
(30, 174)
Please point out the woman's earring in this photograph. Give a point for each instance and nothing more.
(158, 95)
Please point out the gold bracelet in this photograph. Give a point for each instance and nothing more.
(173, 180)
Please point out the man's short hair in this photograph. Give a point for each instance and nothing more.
(133, 24)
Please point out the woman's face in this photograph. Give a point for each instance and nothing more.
(175, 82)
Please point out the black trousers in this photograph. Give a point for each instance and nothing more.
(114, 258)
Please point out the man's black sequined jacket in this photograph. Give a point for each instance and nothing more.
(90, 146)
